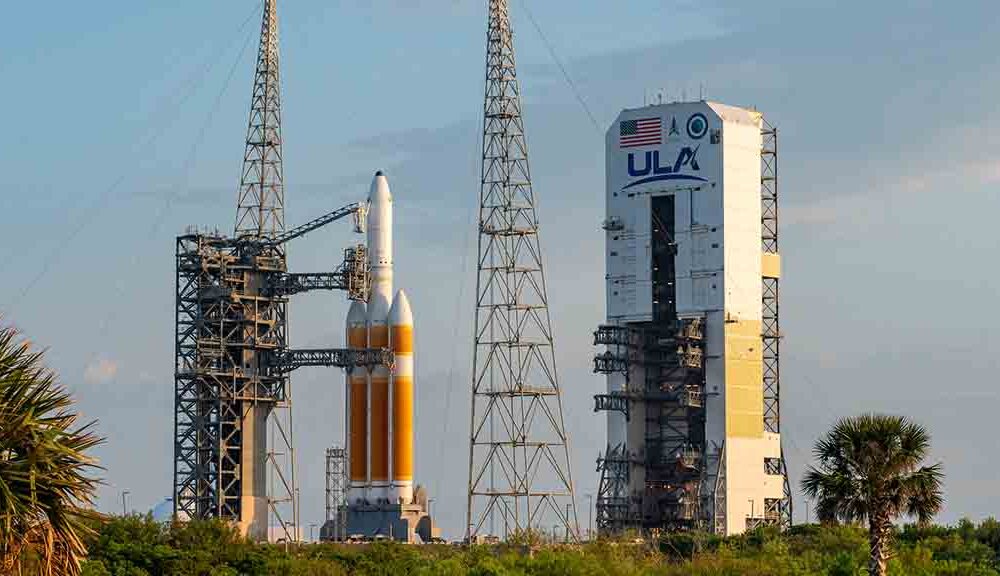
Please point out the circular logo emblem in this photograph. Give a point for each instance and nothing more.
(697, 126)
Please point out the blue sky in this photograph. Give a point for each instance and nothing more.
(124, 126)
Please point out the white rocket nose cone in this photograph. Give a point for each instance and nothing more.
(380, 188)
(400, 313)
(356, 315)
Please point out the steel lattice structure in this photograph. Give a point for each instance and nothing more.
(519, 468)
(671, 399)
(771, 326)
(233, 448)
(335, 527)
(261, 205)
(227, 390)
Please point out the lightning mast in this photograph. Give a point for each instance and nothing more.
(519, 467)
(260, 211)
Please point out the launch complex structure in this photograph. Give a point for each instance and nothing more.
(234, 455)
(233, 445)
(690, 346)
(692, 339)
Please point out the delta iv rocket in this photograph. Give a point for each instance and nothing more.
(380, 403)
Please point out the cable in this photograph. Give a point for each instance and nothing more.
(164, 211)
(466, 246)
(104, 198)
(555, 58)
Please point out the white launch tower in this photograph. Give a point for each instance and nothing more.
(691, 345)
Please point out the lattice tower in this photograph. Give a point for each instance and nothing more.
(519, 467)
(771, 325)
(261, 205)
(336, 493)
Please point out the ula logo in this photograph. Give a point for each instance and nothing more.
(650, 169)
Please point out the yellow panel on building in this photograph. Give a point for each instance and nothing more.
(770, 265)
(744, 375)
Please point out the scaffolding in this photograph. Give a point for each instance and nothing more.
(233, 449)
(335, 528)
(225, 327)
(660, 486)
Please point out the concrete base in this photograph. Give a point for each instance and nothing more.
(407, 523)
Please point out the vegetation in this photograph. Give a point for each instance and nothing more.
(45, 484)
(870, 471)
(137, 546)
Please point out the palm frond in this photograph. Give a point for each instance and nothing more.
(46, 477)
(868, 466)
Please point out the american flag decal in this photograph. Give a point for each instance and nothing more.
(640, 132)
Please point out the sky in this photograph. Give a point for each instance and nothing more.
(124, 126)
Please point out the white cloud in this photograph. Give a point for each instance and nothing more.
(976, 173)
(100, 371)
(859, 209)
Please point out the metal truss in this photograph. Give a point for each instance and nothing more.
(352, 276)
(261, 204)
(336, 494)
(225, 331)
(611, 362)
(227, 328)
(519, 468)
(675, 448)
(285, 361)
(714, 492)
(290, 284)
(233, 401)
(357, 209)
(615, 336)
(671, 400)
(778, 512)
(612, 402)
(232, 358)
(615, 509)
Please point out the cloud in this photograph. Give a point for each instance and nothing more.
(859, 208)
(979, 172)
(100, 371)
(826, 210)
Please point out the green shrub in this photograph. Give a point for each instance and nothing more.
(138, 546)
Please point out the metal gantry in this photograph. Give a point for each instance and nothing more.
(519, 467)
(234, 455)
(232, 376)
(667, 359)
(230, 442)
(781, 511)
(335, 527)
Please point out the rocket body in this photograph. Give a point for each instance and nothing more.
(379, 301)
(380, 402)
(401, 341)
(357, 407)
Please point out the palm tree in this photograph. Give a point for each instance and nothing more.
(46, 487)
(870, 471)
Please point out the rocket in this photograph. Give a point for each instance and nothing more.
(380, 402)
